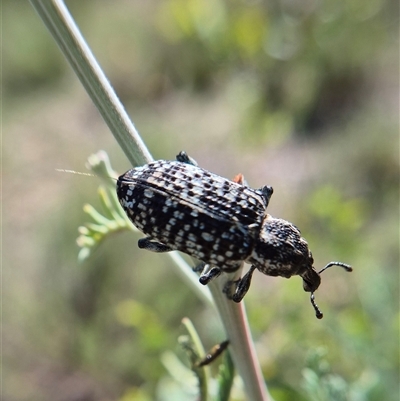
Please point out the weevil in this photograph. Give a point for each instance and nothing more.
(213, 354)
(180, 206)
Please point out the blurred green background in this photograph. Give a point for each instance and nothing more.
(302, 96)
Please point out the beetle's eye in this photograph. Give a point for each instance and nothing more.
(307, 286)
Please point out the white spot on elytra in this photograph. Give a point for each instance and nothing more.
(128, 205)
(229, 197)
(207, 237)
(220, 192)
(141, 206)
(197, 189)
(148, 193)
(179, 215)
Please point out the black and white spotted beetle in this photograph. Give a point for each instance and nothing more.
(180, 206)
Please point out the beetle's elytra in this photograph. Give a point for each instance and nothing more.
(180, 206)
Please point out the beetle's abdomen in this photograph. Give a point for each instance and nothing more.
(193, 210)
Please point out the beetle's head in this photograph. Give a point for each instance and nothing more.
(282, 251)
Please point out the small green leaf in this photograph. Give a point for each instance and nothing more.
(226, 375)
(111, 219)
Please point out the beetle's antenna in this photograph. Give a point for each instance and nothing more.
(61, 170)
(318, 312)
(345, 266)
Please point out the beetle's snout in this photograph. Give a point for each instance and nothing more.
(311, 280)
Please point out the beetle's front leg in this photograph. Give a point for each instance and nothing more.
(242, 285)
(183, 157)
(266, 192)
(153, 246)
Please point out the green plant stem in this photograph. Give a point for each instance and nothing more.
(203, 373)
(241, 345)
(63, 29)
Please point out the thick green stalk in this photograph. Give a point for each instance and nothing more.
(64, 31)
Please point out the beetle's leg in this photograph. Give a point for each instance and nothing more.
(201, 268)
(183, 157)
(243, 285)
(209, 274)
(266, 192)
(153, 246)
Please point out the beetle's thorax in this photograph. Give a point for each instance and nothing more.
(280, 249)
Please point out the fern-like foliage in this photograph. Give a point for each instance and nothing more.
(112, 218)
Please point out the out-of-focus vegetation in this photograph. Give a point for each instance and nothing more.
(302, 96)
